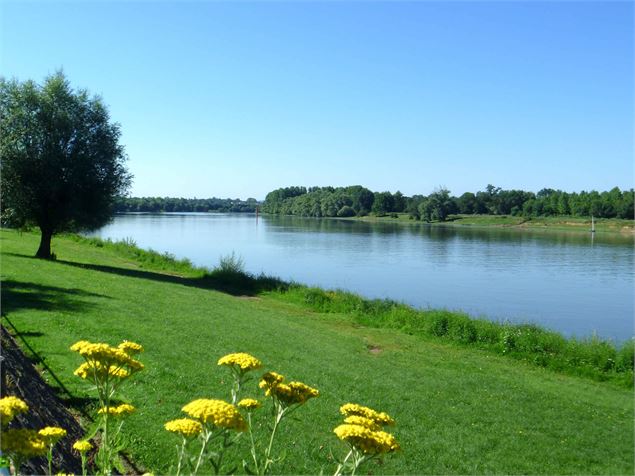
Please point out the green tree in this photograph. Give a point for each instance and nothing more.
(62, 165)
(383, 203)
(437, 206)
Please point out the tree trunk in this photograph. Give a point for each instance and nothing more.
(44, 251)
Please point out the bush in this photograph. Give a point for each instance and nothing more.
(346, 211)
(231, 264)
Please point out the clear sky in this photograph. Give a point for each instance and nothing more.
(234, 99)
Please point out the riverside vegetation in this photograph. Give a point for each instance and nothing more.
(439, 205)
(464, 408)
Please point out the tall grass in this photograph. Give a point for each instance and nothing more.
(149, 259)
(591, 357)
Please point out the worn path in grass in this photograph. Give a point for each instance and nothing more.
(458, 411)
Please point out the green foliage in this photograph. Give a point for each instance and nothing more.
(166, 204)
(319, 201)
(62, 164)
(439, 205)
(232, 263)
(346, 211)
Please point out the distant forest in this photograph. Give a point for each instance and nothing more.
(166, 204)
(359, 201)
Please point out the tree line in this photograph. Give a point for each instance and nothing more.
(167, 204)
(359, 201)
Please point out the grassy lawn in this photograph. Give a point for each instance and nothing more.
(458, 410)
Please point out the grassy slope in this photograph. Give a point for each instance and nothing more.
(602, 225)
(458, 410)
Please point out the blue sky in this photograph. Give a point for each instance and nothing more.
(234, 99)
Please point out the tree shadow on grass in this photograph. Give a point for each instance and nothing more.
(18, 295)
(29, 334)
(235, 283)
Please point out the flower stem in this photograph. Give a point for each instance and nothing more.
(340, 466)
(49, 456)
(83, 464)
(181, 453)
(253, 444)
(268, 460)
(200, 455)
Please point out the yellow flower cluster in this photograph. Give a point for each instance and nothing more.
(382, 418)
(270, 379)
(366, 440)
(23, 442)
(52, 434)
(184, 427)
(82, 446)
(122, 410)
(216, 412)
(291, 393)
(103, 360)
(362, 429)
(130, 348)
(362, 421)
(97, 369)
(249, 404)
(241, 360)
(10, 407)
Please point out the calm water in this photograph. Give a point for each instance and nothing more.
(570, 282)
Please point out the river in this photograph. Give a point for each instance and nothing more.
(572, 282)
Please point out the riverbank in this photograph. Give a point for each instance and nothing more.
(459, 408)
(582, 225)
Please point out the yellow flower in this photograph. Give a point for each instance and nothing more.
(120, 411)
(77, 346)
(303, 392)
(52, 434)
(130, 348)
(385, 441)
(23, 442)
(82, 446)
(243, 361)
(184, 427)
(10, 407)
(366, 440)
(105, 355)
(382, 418)
(90, 370)
(292, 393)
(270, 379)
(217, 413)
(362, 421)
(249, 404)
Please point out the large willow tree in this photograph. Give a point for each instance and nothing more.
(62, 163)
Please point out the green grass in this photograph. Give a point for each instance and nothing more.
(591, 357)
(459, 409)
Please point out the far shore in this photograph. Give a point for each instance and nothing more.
(582, 225)
(562, 223)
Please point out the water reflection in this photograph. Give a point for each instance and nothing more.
(569, 281)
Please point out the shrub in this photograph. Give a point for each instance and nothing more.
(346, 211)
(231, 264)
